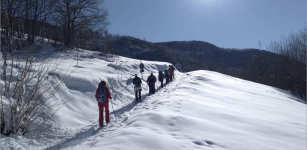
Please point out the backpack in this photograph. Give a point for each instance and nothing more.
(169, 72)
(141, 66)
(173, 68)
(137, 82)
(166, 73)
(151, 80)
(101, 94)
(161, 75)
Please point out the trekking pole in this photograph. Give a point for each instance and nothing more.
(114, 111)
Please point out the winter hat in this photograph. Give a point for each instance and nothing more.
(102, 83)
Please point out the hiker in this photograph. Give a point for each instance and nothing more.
(171, 73)
(161, 77)
(151, 80)
(141, 67)
(166, 75)
(102, 96)
(173, 69)
(137, 88)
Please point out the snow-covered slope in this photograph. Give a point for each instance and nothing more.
(198, 110)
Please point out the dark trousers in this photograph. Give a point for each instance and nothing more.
(138, 95)
(171, 78)
(161, 83)
(152, 89)
(167, 79)
(104, 105)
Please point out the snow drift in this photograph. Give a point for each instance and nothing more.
(198, 110)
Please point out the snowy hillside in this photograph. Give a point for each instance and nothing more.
(198, 110)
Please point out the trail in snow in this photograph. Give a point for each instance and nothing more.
(148, 102)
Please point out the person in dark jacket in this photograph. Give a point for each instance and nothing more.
(102, 96)
(141, 67)
(161, 77)
(137, 88)
(151, 80)
(166, 76)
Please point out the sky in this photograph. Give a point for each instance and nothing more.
(224, 23)
(197, 110)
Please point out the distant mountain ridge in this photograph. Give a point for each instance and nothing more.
(209, 52)
(178, 51)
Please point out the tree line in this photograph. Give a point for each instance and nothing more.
(67, 21)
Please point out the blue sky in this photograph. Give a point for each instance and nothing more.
(224, 23)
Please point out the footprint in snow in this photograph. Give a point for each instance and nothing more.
(204, 143)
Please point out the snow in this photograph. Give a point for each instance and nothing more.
(198, 110)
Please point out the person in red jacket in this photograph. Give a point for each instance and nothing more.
(171, 73)
(102, 96)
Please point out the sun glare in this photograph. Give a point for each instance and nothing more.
(207, 4)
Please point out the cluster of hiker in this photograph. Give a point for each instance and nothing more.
(168, 75)
(103, 94)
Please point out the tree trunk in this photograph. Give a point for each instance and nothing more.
(34, 22)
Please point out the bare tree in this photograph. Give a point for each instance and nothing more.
(78, 14)
(292, 61)
(293, 46)
(25, 16)
(28, 82)
(28, 86)
(107, 50)
(32, 84)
